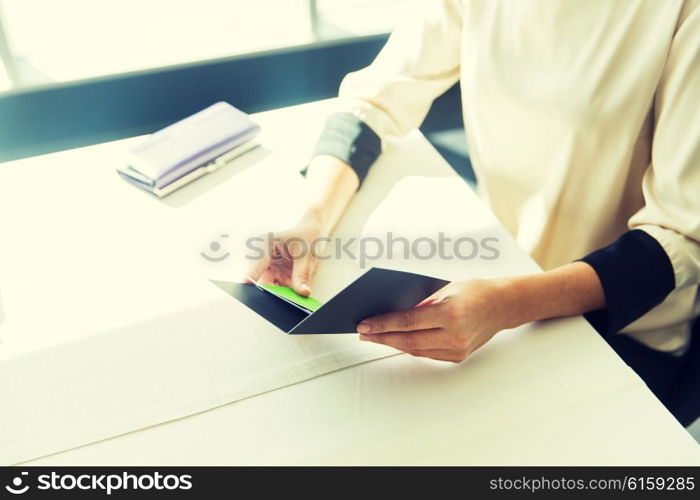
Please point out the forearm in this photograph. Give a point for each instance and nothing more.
(330, 184)
(568, 290)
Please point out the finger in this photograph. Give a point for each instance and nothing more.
(406, 320)
(258, 266)
(435, 298)
(277, 274)
(434, 338)
(302, 271)
(426, 302)
(269, 277)
(441, 354)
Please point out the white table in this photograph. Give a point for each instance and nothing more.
(546, 393)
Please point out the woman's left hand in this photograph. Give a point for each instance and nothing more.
(449, 325)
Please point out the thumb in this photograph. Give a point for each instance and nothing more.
(435, 298)
(302, 271)
(259, 263)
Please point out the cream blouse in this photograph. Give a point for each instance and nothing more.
(582, 120)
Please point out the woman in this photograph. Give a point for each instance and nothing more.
(583, 129)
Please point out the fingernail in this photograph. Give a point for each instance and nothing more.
(304, 288)
(364, 338)
(363, 327)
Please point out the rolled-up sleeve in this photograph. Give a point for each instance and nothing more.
(672, 183)
(634, 274)
(393, 95)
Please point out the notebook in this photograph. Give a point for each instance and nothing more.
(377, 291)
(186, 150)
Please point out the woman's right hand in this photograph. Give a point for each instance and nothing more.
(288, 257)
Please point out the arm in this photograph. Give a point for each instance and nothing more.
(390, 97)
(330, 184)
(393, 95)
(568, 290)
(463, 316)
(614, 285)
(661, 252)
(420, 61)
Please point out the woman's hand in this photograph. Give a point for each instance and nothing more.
(461, 317)
(448, 326)
(289, 257)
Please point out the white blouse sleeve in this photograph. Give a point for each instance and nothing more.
(671, 185)
(420, 61)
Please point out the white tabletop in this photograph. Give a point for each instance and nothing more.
(546, 393)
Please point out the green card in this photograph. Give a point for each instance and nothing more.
(290, 295)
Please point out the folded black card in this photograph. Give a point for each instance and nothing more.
(377, 291)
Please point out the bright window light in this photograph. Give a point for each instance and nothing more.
(63, 40)
(364, 17)
(74, 39)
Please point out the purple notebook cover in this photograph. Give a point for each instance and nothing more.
(192, 142)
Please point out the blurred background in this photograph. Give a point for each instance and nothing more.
(81, 72)
(51, 41)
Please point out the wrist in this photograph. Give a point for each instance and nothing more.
(514, 299)
(568, 290)
(330, 183)
(316, 216)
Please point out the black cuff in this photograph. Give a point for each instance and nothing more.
(350, 139)
(636, 275)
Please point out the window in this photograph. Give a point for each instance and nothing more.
(342, 18)
(45, 41)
